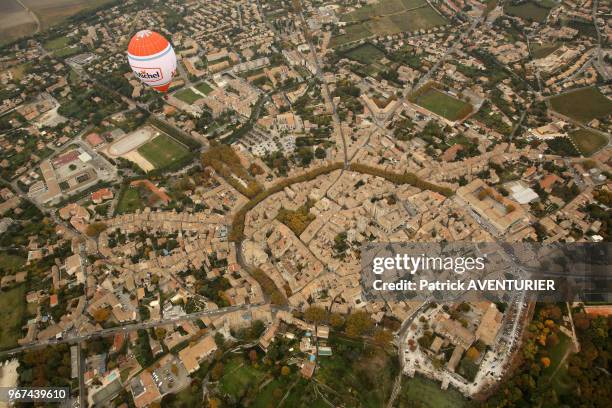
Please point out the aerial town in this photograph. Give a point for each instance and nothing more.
(202, 246)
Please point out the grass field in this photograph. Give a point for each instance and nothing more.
(204, 88)
(67, 52)
(10, 264)
(60, 47)
(163, 151)
(13, 306)
(130, 201)
(187, 95)
(420, 19)
(356, 375)
(585, 28)
(238, 375)
(582, 105)
(444, 105)
(18, 71)
(425, 393)
(353, 33)
(587, 141)
(531, 10)
(557, 352)
(544, 50)
(388, 17)
(365, 54)
(56, 43)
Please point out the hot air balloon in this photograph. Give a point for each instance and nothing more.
(152, 59)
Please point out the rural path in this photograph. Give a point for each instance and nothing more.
(32, 14)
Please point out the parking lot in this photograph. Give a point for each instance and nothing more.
(171, 376)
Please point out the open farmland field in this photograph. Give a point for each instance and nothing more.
(51, 12)
(582, 105)
(353, 33)
(530, 11)
(587, 141)
(388, 17)
(365, 54)
(420, 19)
(443, 104)
(15, 21)
(163, 151)
(13, 306)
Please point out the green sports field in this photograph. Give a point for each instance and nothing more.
(163, 151)
(444, 105)
(582, 105)
(204, 88)
(187, 95)
(587, 141)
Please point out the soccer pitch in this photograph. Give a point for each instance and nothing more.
(163, 151)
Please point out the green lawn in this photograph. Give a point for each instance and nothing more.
(444, 105)
(587, 141)
(238, 375)
(13, 306)
(582, 105)
(531, 10)
(163, 151)
(10, 264)
(425, 393)
(204, 88)
(130, 201)
(187, 95)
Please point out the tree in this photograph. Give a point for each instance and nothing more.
(315, 314)
(160, 333)
(94, 229)
(383, 337)
(253, 356)
(336, 320)
(219, 339)
(358, 323)
(101, 315)
(472, 353)
(217, 371)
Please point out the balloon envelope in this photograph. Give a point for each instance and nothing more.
(152, 59)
